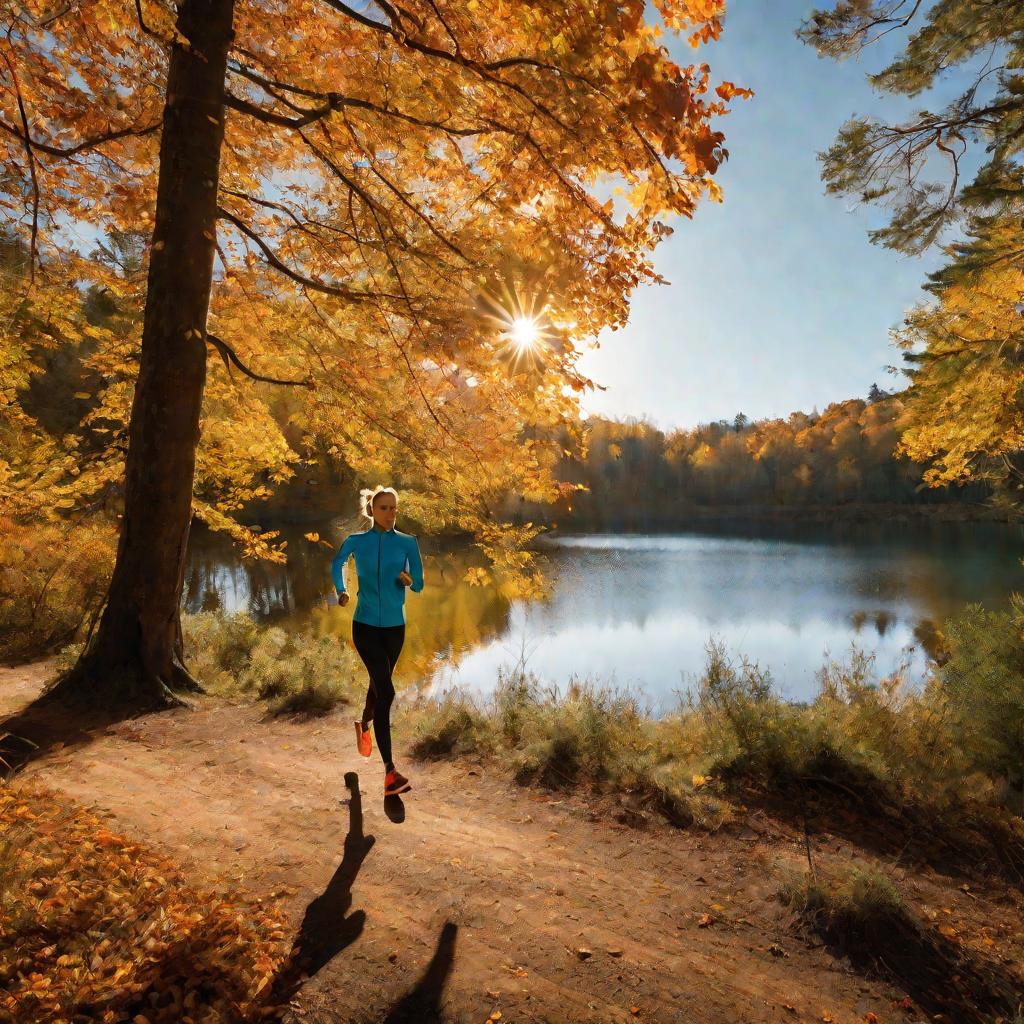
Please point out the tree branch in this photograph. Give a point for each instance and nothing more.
(278, 264)
(81, 147)
(228, 353)
(480, 68)
(269, 117)
(335, 101)
(27, 138)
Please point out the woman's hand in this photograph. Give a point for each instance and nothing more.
(343, 599)
(404, 579)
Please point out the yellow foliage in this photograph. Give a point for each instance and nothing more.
(965, 406)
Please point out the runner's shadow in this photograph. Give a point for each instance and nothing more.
(394, 809)
(423, 1004)
(325, 930)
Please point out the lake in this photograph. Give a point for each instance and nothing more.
(638, 611)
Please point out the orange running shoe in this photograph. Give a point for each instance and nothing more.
(364, 742)
(394, 783)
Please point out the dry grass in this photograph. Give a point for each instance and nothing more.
(873, 741)
(295, 673)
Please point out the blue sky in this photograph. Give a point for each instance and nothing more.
(778, 301)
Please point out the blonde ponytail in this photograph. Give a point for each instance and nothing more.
(367, 496)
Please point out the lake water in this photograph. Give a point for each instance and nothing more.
(638, 611)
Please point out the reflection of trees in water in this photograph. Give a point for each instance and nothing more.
(943, 566)
(927, 634)
(448, 619)
(925, 631)
(218, 577)
(445, 621)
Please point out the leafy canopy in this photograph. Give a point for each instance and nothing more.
(385, 169)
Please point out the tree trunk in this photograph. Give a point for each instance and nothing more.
(135, 656)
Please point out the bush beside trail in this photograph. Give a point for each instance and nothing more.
(861, 916)
(295, 673)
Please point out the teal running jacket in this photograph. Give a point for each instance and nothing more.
(380, 556)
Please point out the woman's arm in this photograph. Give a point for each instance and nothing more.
(415, 567)
(339, 565)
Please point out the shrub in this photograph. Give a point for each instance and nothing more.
(296, 673)
(753, 732)
(983, 682)
(859, 913)
(591, 734)
(53, 577)
(858, 898)
(451, 726)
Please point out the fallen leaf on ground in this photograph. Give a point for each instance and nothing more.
(705, 921)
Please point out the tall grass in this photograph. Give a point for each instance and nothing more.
(591, 736)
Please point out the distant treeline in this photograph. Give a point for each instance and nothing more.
(637, 476)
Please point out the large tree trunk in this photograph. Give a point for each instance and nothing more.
(135, 656)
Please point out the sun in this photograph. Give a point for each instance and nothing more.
(518, 319)
(524, 332)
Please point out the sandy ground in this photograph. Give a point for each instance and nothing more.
(469, 897)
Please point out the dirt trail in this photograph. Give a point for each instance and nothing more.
(480, 900)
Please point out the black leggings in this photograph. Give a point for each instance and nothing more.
(379, 647)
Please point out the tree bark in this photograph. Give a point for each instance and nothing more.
(135, 657)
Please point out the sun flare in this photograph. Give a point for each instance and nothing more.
(524, 332)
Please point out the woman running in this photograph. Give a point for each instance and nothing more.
(386, 563)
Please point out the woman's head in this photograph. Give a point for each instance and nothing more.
(379, 505)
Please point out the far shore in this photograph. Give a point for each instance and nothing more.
(854, 513)
(702, 515)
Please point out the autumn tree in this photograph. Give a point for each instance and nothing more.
(963, 350)
(332, 189)
(635, 476)
(965, 404)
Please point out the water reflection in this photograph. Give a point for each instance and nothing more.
(638, 611)
(447, 620)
